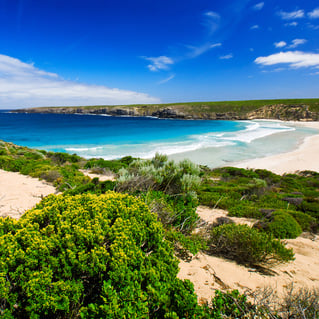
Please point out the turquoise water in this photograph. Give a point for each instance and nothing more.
(212, 143)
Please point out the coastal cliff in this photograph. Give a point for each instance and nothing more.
(288, 110)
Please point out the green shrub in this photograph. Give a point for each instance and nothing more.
(282, 225)
(89, 256)
(161, 175)
(311, 207)
(93, 187)
(243, 209)
(306, 222)
(232, 304)
(238, 172)
(173, 211)
(247, 245)
(113, 165)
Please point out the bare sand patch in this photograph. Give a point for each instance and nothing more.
(110, 176)
(19, 193)
(209, 273)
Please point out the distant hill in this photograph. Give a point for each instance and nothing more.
(285, 109)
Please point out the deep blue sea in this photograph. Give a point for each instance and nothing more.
(213, 143)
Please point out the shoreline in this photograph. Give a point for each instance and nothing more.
(304, 157)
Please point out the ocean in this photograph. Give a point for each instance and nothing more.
(207, 142)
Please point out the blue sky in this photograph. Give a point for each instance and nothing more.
(84, 52)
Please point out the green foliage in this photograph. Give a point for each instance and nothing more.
(61, 169)
(247, 193)
(173, 211)
(114, 165)
(246, 245)
(306, 222)
(161, 175)
(311, 207)
(282, 225)
(61, 158)
(93, 187)
(232, 304)
(90, 256)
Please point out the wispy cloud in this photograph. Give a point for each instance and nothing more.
(211, 21)
(314, 14)
(291, 24)
(291, 15)
(254, 27)
(227, 56)
(280, 44)
(22, 85)
(295, 59)
(258, 6)
(159, 63)
(274, 71)
(296, 42)
(171, 77)
(196, 51)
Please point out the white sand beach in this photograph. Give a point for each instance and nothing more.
(305, 157)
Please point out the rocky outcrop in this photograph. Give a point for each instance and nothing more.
(277, 111)
(284, 112)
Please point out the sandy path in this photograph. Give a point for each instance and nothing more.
(209, 273)
(19, 193)
(102, 177)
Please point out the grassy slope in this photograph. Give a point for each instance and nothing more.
(222, 106)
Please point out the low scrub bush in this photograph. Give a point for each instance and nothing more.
(306, 222)
(243, 209)
(173, 211)
(93, 187)
(232, 304)
(281, 225)
(311, 207)
(159, 174)
(113, 165)
(246, 245)
(89, 256)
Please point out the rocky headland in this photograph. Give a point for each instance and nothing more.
(210, 111)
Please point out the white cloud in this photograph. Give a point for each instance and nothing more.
(227, 56)
(291, 15)
(258, 6)
(159, 63)
(291, 24)
(212, 14)
(296, 42)
(280, 44)
(23, 85)
(295, 59)
(197, 51)
(254, 27)
(212, 21)
(314, 14)
(167, 79)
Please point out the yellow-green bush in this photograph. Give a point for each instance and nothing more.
(90, 256)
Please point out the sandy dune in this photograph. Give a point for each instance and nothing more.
(209, 273)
